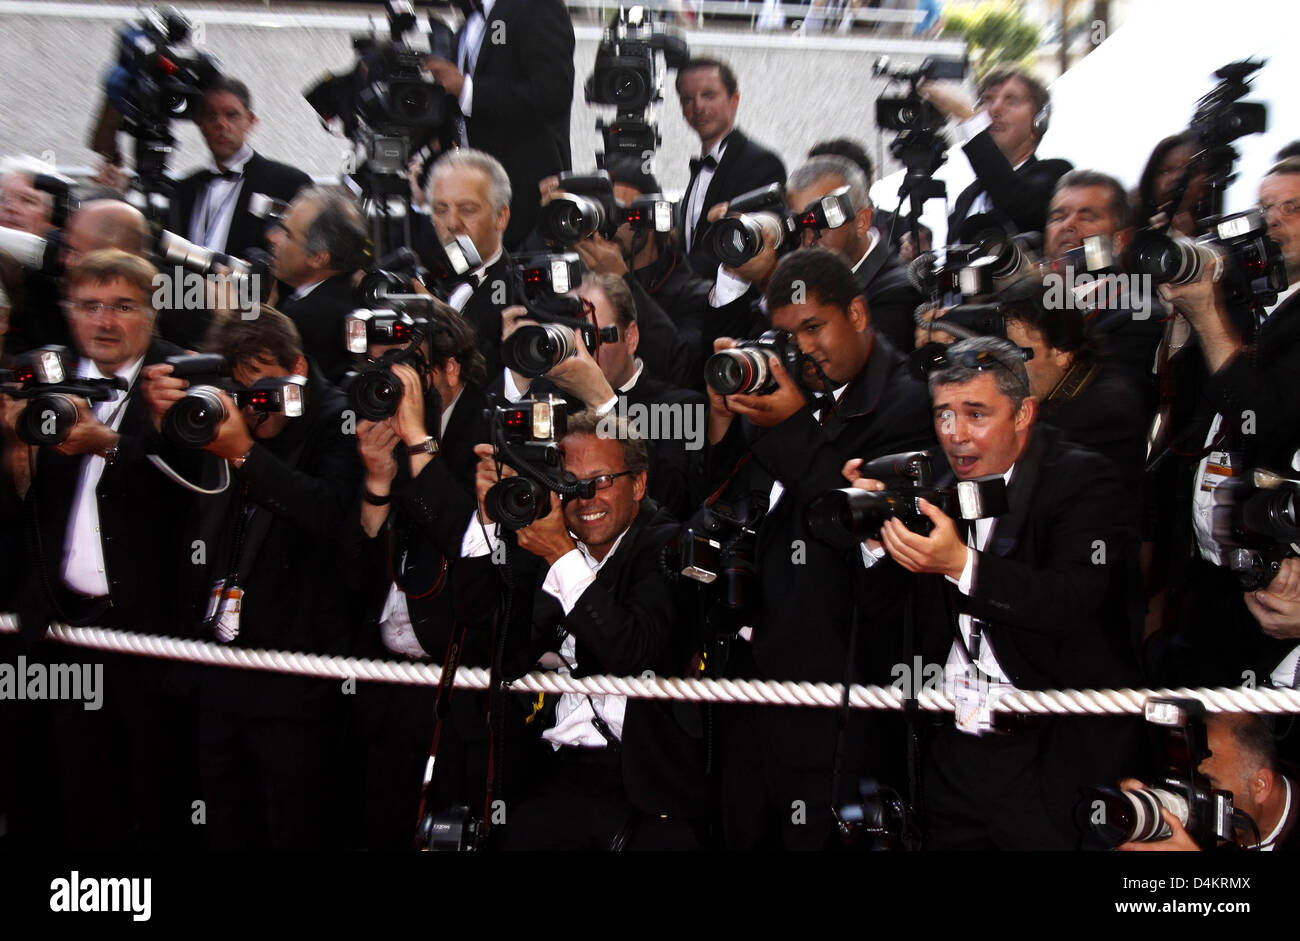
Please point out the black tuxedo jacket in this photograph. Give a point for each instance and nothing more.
(306, 478)
(483, 310)
(142, 516)
(319, 318)
(625, 623)
(276, 180)
(1053, 605)
(891, 298)
(1021, 196)
(745, 165)
(523, 95)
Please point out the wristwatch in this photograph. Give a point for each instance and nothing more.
(240, 461)
(428, 446)
(110, 454)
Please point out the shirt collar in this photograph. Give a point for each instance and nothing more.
(89, 370)
(488, 263)
(1269, 840)
(446, 412)
(875, 240)
(627, 386)
(306, 289)
(236, 164)
(586, 554)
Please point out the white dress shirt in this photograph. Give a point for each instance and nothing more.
(83, 555)
(695, 199)
(215, 208)
(464, 291)
(471, 42)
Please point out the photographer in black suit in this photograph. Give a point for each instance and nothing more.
(514, 80)
(1033, 599)
(316, 250)
(609, 772)
(786, 449)
(417, 491)
(730, 163)
(999, 136)
(267, 741)
(110, 547)
(226, 206)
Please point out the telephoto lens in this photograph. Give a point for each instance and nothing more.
(48, 419)
(1113, 816)
(739, 371)
(516, 502)
(569, 218)
(375, 392)
(535, 349)
(1172, 260)
(193, 421)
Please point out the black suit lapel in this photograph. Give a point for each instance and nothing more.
(1007, 530)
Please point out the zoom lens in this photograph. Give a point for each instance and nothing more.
(738, 239)
(193, 421)
(568, 219)
(516, 502)
(375, 393)
(739, 371)
(47, 419)
(536, 349)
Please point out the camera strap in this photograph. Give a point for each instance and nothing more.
(446, 683)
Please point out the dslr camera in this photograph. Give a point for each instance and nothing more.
(587, 206)
(744, 369)
(193, 421)
(375, 391)
(542, 283)
(1259, 525)
(526, 436)
(842, 518)
(739, 237)
(716, 547)
(1110, 816)
(43, 378)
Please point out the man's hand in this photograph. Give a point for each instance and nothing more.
(548, 537)
(1179, 840)
(1277, 607)
(161, 390)
(602, 255)
(548, 187)
(408, 420)
(948, 98)
(512, 318)
(943, 552)
(445, 74)
(418, 196)
(233, 439)
(758, 270)
(855, 479)
(720, 416)
(376, 441)
(927, 334)
(89, 435)
(767, 411)
(716, 212)
(1202, 304)
(10, 411)
(580, 375)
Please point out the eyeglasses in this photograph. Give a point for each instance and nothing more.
(979, 360)
(1288, 209)
(92, 308)
(603, 482)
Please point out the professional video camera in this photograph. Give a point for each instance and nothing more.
(1110, 816)
(739, 237)
(526, 436)
(587, 206)
(389, 107)
(920, 146)
(633, 54)
(1259, 525)
(842, 518)
(744, 369)
(159, 76)
(542, 282)
(193, 421)
(42, 377)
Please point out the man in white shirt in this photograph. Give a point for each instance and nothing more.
(1031, 600)
(611, 772)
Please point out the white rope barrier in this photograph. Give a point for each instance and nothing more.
(1095, 702)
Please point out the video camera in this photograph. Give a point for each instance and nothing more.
(628, 74)
(194, 420)
(739, 236)
(43, 378)
(526, 435)
(587, 206)
(1110, 816)
(842, 518)
(542, 284)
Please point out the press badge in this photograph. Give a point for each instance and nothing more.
(973, 700)
(1220, 466)
(226, 627)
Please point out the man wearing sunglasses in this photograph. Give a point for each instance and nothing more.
(1033, 599)
(853, 396)
(608, 772)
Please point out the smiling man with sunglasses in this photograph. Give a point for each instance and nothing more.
(1033, 599)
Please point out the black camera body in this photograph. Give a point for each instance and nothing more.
(744, 369)
(1259, 526)
(42, 377)
(842, 518)
(374, 390)
(588, 207)
(717, 548)
(1110, 816)
(542, 281)
(526, 435)
(739, 236)
(193, 421)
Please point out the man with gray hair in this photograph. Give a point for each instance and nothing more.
(1032, 599)
(316, 249)
(469, 194)
(23, 205)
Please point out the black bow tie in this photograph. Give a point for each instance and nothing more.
(222, 175)
(707, 161)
